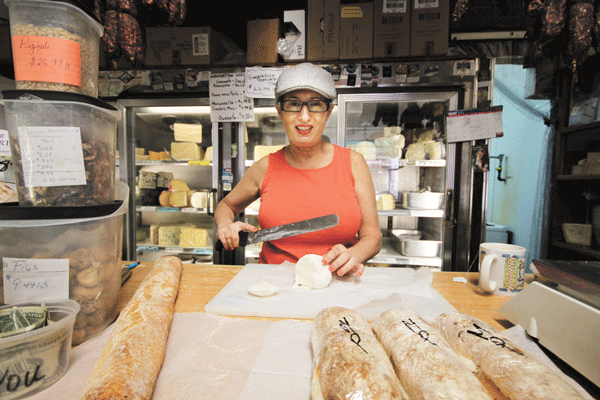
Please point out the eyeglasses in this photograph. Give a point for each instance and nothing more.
(315, 106)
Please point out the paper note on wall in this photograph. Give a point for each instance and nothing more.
(228, 101)
(468, 125)
(260, 82)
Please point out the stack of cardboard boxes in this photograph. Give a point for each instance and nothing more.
(378, 29)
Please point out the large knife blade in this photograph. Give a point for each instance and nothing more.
(287, 230)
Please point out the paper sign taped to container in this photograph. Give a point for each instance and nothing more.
(4, 143)
(228, 101)
(260, 82)
(468, 125)
(51, 156)
(33, 279)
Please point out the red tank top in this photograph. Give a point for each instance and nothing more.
(290, 194)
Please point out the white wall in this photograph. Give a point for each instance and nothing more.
(515, 202)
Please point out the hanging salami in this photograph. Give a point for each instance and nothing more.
(581, 23)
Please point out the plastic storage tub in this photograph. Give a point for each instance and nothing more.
(55, 45)
(83, 256)
(35, 360)
(63, 147)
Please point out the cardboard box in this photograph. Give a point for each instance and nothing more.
(158, 46)
(294, 31)
(391, 28)
(262, 41)
(356, 31)
(323, 30)
(194, 45)
(429, 27)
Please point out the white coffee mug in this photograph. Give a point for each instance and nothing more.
(501, 268)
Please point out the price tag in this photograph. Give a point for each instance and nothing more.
(32, 279)
(205, 252)
(4, 144)
(51, 156)
(46, 59)
(173, 250)
(168, 209)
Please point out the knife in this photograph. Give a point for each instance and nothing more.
(282, 231)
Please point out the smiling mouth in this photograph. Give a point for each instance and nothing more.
(303, 129)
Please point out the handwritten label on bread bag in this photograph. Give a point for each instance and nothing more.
(32, 279)
(51, 156)
(46, 59)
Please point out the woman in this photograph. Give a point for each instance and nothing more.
(307, 178)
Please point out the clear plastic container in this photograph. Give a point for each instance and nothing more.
(37, 359)
(93, 249)
(55, 45)
(63, 147)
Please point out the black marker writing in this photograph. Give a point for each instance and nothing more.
(412, 325)
(481, 332)
(354, 337)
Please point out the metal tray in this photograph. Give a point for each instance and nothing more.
(580, 276)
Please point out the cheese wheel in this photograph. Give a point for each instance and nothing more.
(133, 356)
(516, 374)
(348, 361)
(427, 366)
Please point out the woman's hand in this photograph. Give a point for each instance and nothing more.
(342, 261)
(229, 234)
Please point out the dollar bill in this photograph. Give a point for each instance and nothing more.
(16, 320)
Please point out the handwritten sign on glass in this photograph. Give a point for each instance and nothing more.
(228, 101)
(32, 279)
(260, 82)
(51, 156)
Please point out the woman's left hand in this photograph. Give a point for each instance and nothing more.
(342, 262)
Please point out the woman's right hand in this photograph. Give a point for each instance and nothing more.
(229, 234)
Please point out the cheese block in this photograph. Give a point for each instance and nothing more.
(208, 154)
(386, 201)
(165, 155)
(154, 234)
(391, 130)
(197, 199)
(186, 151)
(163, 198)
(367, 149)
(187, 132)
(147, 197)
(168, 235)
(390, 146)
(176, 185)
(193, 237)
(434, 151)
(140, 151)
(428, 136)
(163, 179)
(147, 180)
(178, 199)
(415, 151)
(154, 155)
(261, 151)
(142, 157)
(311, 272)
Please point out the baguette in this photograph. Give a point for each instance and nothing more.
(428, 368)
(516, 374)
(348, 361)
(133, 356)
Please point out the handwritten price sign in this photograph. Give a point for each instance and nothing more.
(47, 59)
(27, 279)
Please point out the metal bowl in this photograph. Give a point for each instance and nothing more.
(422, 200)
(411, 247)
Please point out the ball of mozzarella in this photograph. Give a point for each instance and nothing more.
(311, 272)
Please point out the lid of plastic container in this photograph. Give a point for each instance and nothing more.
(75, 3)
(12, 211)
(51, 95)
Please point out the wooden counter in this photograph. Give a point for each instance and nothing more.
(201, 282)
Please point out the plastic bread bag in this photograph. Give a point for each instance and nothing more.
(348, 361)
(516, 374)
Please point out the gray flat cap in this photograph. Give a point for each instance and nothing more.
(305, 76)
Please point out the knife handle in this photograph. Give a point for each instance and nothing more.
(243, 241)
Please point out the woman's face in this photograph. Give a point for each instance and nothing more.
(304, 128)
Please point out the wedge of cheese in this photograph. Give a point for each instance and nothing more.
(178, 199)
(154, 155)
(154, 233)
(176, 185)
(187, 132)
(367, 149)
(163, 179)
(386, 201)
(261, 151)
(186, 151)
(147, 180)
(208, 154)
(169, 235)
(434, 151)
(415, 151)
(193, 237)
